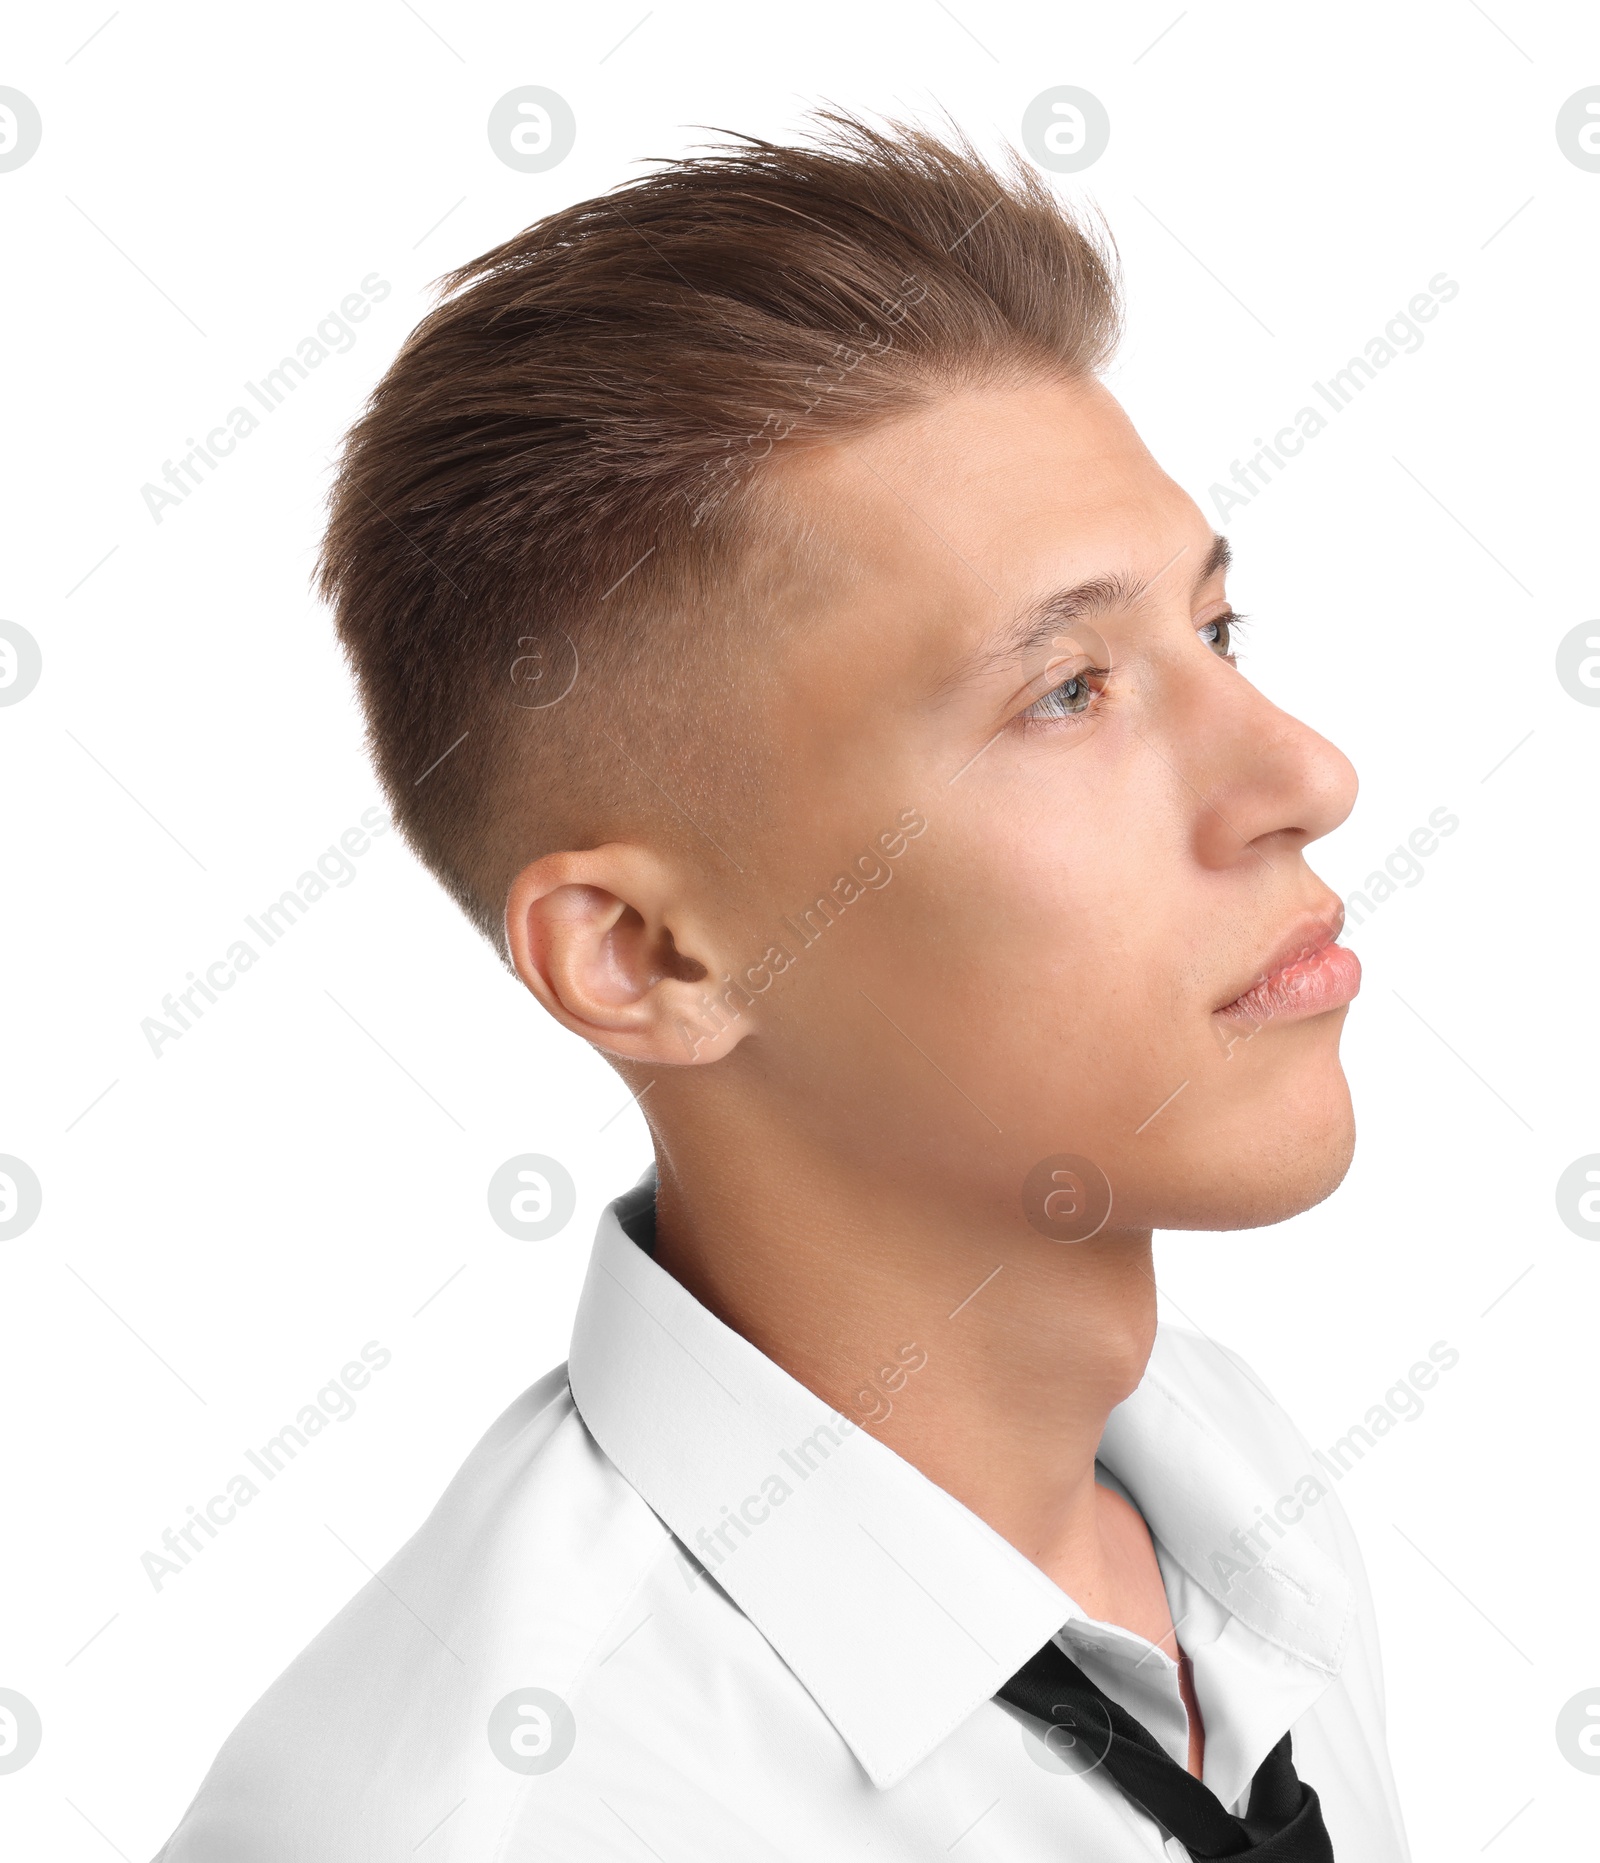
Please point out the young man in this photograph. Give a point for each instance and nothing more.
(783, 647)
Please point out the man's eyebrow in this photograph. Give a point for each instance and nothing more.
(1041, 621)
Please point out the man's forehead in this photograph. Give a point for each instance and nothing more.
(882, 576)
(975, 467)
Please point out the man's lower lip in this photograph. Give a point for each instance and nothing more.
(1324, 979)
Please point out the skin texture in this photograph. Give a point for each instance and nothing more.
(843, 1149)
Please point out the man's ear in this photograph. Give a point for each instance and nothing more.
(609, 942)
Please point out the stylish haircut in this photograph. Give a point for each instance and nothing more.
(560, 492)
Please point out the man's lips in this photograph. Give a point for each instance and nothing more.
(1305, 974)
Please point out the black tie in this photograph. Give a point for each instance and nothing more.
(1283, 1825)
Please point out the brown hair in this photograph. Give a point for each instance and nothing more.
(558, 479)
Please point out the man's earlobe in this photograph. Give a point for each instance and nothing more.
(610, 942)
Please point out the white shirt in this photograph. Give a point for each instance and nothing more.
(827, 1694)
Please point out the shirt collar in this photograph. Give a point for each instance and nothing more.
(898, 1609)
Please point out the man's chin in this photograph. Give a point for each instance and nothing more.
(1258, 1183)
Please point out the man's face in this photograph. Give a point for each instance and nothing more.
(1114, 846)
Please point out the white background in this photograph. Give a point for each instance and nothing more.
(305, 1169)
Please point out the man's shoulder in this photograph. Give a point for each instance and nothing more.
(1218, 1386)
(1222, 1396)
(382, 1723)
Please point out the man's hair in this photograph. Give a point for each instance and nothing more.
(557, 490)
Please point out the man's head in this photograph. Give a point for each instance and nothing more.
(773, 631)
(551, 550)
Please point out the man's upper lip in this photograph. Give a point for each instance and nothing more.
(1310, 932)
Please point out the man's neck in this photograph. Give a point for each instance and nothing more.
(986, 1356)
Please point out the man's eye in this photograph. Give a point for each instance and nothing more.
(1219, 633)
(1072, 697)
